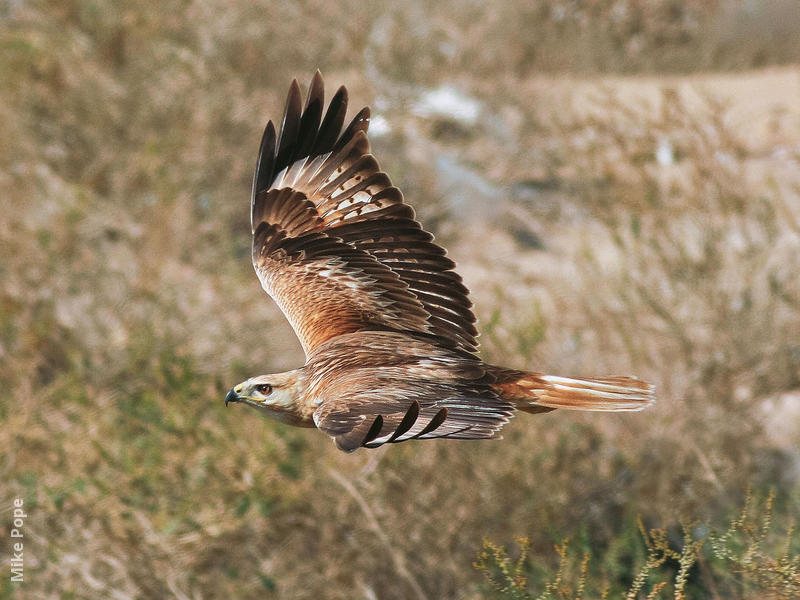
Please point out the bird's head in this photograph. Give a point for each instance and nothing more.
(275, 394)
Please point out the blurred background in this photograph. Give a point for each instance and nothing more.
(619, 183)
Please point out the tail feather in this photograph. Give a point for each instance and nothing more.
(534, 392)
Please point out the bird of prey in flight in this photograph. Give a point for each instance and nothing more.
(383, 318)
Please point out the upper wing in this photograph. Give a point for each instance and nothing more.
(333, 242)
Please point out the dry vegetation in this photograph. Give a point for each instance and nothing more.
(645, 224)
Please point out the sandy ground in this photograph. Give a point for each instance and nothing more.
(762, 106)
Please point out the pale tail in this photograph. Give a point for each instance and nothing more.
(534, 392)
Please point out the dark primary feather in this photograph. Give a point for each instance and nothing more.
(264, 166)
(315, 177)
(288, 141)
(332, 124)
(312, 114)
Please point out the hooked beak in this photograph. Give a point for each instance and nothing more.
(232, 396)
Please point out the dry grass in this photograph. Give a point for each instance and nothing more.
(631, 225)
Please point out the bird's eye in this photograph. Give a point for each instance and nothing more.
(264, 389)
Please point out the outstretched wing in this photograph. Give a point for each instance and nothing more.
(386, 387)
(333, 242)
(371, 425)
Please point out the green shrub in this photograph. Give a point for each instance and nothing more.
(750, 559)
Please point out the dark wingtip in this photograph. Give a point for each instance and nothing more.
(294, 96)
(407, 422)
(310, 119)
(262, 177)
(360, 123)
(317, 83)
(289, 126)
(331, 125)
(434, 423)
(374, 431)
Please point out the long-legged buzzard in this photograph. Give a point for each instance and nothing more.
(385, 322)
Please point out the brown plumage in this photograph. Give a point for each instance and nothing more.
(383, 318)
